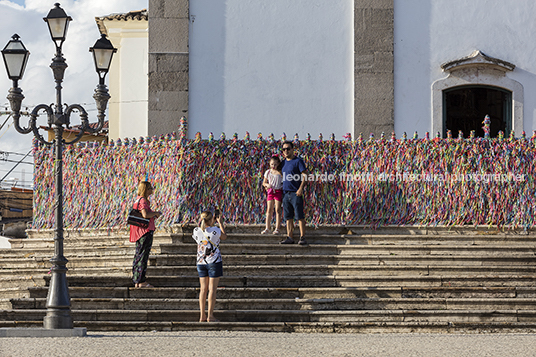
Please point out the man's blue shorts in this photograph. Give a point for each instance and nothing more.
(213, 270)
(292, 206)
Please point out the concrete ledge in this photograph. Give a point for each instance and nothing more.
(42, 332)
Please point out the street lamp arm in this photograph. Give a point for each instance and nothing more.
(15, 98)
(33, 122)
(83, 117)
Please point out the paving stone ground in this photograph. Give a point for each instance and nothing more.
(237, 344)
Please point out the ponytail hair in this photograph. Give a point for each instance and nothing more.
(206, 217)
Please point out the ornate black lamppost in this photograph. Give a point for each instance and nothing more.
(15, 58)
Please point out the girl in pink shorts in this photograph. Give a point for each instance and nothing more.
(273, 182)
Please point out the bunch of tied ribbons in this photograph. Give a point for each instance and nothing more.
(351, 182)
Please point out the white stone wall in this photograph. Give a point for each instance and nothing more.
(271, 66)
(128, 80)
(430, 33)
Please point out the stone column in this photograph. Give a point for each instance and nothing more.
(374, 67)
(168, 64)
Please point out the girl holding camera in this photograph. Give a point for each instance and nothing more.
(209, 261)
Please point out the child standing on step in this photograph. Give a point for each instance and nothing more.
(273, 182)
(209, 261)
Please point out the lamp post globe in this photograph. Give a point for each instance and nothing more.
(15, 57)
(58, 23)
(103, 51)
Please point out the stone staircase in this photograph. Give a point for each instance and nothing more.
(348, 279)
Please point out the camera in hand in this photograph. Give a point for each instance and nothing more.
(216, 213)
(209, 250)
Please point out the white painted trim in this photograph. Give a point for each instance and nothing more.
(477, 75)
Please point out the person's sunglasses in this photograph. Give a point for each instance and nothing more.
(287, 149)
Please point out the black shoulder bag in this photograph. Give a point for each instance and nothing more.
(135, 218)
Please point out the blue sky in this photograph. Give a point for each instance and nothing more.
(25, 18)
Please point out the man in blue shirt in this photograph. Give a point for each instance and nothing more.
(294, 178)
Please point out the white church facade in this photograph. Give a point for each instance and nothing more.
(319, 66)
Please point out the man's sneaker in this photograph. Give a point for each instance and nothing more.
(302, 241)
(287, 240)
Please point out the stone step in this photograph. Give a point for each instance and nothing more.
(82, 252)
(48, 242)
(281, 293)
(377, 239)
(402, 248)
(22, 282)
(77, 242)
(288, 259)
(357, 260)
(131, 317)
(372, 281)
(277, 249)
(324, 229)
(312, 237)
(296, 327)
(348, 279)
(296, 271)
(319, 304)
(21, 292)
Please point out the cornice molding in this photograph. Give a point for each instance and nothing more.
(478, 59)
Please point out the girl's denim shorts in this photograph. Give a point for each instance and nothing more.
(213, 270)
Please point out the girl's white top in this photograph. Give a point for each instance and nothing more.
(275, 180)
(207, 252)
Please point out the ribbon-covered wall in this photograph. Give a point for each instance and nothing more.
(476, 181)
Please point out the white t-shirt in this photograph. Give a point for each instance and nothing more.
(207, 253)
(275, 180)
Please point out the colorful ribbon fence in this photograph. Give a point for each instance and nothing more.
(472, 181)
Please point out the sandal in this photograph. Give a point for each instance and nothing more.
(145, 285)
(265, 231)
(276, 231)
(215, 320)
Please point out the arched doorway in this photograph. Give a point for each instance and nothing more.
(466, 106)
